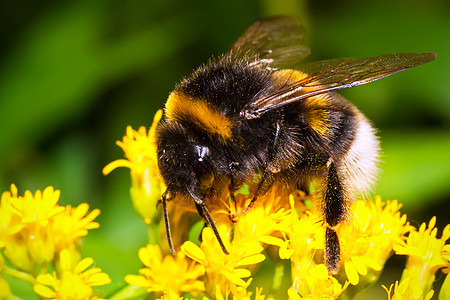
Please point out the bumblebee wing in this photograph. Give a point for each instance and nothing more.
(335, 74)
(273, 43)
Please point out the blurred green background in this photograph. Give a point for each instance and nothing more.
(74, 74)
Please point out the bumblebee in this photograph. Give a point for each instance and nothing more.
(255, 113)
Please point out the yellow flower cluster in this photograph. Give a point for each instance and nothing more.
(37, 234)
(426, 255)
(283, 232)
(283, 226)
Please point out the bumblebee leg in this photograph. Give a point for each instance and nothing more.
(263, 186)
(201, 206)
(267, 177)
(332, 254)
(334, 205)
(232, 185)
(166, 221)
(334, 210)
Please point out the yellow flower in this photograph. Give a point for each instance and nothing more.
(305, 232)
(367, 241)
(221, 269)
(426, 255)
(263, 220)
(34, 227)
(405, 290)
(241, 294)
(305, 238)
(73, 283)
(70, 226)
(169, 275)
(170, 296)
(25, 229)
(140, 153)
(315, 283)
(38, 208)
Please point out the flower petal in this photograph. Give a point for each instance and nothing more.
(44, 291)
(193, 251)
(252, 260)
(351, 273)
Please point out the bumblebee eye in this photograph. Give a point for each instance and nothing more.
(204, 173)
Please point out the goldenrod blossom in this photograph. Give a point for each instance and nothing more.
(263, 220)
(405, 290)
(33, 228)
(140, 153)
(170, 274)
(171, 296)
(305, 232)
(426, 255)
(241, 293)
(73, 282)
(70, 226)
(367, 240)
(221, 269)
(316, 283)
(281, 220)
(306, 237)
(25, 231)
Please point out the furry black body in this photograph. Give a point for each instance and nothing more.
(230, 86)
(279, 146)
(242, 118)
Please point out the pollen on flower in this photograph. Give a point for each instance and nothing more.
(167, 275)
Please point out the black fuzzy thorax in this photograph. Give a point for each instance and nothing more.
(228, 84)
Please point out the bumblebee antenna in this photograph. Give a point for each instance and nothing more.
(166, 221)
(209, 220)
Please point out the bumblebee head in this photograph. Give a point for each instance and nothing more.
(184, 159)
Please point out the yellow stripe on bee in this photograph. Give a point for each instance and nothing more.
(181, 107)
(318, 121)
(316, 106)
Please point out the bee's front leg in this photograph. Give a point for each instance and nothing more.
(272, 166)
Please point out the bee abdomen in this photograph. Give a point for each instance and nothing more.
(359, 164)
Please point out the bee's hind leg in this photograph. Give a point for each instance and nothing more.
(333, 207)
(334, 210)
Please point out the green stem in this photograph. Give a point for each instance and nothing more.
(278, 275)
(128, 292)
(151, 234)
(19, 275)
(44, 268)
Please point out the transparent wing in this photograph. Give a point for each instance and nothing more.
(335, 74)
(274, 43)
